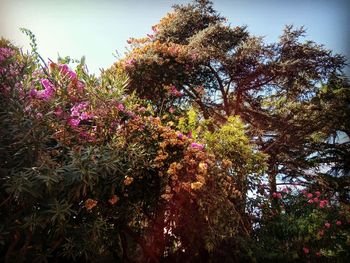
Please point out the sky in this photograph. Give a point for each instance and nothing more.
(98, 29)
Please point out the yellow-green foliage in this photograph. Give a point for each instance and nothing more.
(230, 142)
(191, 122)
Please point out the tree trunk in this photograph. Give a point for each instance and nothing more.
(272, 173)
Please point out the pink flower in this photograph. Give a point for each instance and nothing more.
(180, 136)
(130, 62)
(77, 109)
(309, 195)
(5, 53)
(46, 83)
(174, 91)
(318, 193)
(323, 203)
(310, 201)
(338, 223)
(58, 111)
(66, 71)
(197, 146)
(171, 110)
(45, 94)
(316, 200)
(327, 225)
(189, 134)
(306, 250)
(277, 195)
(318, 254)
(75, 113)
(86, 116)
(33, 93)
(72, 74)
(120, 107)
(63, 68)
(74, 122)
(321, 233)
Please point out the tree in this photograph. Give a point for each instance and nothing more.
(194, 56)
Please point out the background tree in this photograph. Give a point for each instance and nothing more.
(194, 56)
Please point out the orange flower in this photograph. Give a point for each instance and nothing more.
(196, 185)
(114, 199)
(128, 180)
(226, 163)
(166, 197)
(90, 203)
(203, 167)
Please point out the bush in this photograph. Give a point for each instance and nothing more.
(89, 172)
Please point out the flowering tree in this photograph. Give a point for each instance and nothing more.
(277, 89)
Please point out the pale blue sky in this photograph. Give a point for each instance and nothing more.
(97, 28)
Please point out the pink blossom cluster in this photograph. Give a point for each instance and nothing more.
(69, 74)
(130, 62)
(6, 53)
(120, 107)
(175, 92)
(47, 93)
(58, 111)
(79, 112)
(328, 225)
(337, 222)
(66, 71)
(277, 195)
(323, 203)
(11, 69)
(306, 251)
(188, 135)
(315, 198)
(197, 146)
